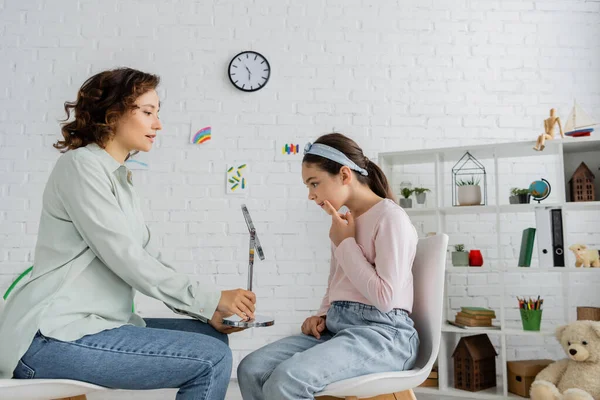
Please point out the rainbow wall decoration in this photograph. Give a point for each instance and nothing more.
(290, 149)
(236, 181)
(202, 136)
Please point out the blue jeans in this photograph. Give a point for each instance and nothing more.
(167, 353)
(359, 340)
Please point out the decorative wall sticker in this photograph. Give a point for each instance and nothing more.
(287, 150)
(201, 136)
(236, 178)
(290, 149)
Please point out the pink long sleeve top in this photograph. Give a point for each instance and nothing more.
(375, 267)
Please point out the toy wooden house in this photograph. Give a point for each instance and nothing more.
(474, 363)
(582, 184)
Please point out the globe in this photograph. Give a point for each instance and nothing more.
(540, 190)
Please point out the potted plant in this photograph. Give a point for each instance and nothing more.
(460, 258)
(420, 194)
(469, 192)
(519, 196)
(406, 202)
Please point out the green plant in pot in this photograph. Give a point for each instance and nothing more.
(405, 202)
(469, 192)
(519, 196)
(420, 194)
(460, 258)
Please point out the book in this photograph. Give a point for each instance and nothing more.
(473, 316)
(543, 232)
(473, 322)
(429, 382)
(478, 311)
(526, 247)
(493, 327)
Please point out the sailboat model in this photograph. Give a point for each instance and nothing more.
(579, 123)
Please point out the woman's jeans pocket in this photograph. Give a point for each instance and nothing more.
(23, 371)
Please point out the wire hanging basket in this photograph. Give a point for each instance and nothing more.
(467, 174)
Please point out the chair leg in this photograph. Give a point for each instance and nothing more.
(405, 395)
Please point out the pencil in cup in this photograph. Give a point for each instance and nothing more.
(531, 313)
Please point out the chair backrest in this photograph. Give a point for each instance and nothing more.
(428, 277)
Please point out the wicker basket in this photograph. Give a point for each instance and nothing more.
(588, 313)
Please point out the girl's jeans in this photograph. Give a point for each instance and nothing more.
(359, 340)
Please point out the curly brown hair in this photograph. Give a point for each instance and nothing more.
(101, 101)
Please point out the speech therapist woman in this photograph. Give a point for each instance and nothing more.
(73, 319)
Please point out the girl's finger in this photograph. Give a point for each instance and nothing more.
(329, 208)
(315, 332)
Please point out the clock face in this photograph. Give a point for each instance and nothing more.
(249, 71)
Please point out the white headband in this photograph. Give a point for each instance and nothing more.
(332, 154)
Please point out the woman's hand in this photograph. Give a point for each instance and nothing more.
(313, 326)
(239, 302)
(342, 225)
(217, 322)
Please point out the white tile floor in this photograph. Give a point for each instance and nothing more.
(233, 393)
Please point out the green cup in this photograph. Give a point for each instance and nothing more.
(531, 319)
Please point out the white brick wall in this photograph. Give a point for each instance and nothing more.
(395, 76)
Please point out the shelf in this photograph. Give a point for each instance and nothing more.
(448, 328)
(529, 270)
(503, 208)
(557, 162)
(582, 205)
(492, 393)
(581, 145)
(519, 332)
(468, 210)
(421, 211)
(451, 269)
(487, 151)
(452, 210)
(481, 151)
(518, 208)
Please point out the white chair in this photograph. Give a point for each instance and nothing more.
(428, 271)
(45, 389)
(41, 389)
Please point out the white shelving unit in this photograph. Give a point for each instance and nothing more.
(560, 158)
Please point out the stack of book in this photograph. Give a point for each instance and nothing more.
(432, 379)
(475, 317)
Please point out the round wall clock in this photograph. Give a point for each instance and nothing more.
(249, 71)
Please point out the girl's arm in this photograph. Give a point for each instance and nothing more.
(325, 303)
(395, 248)
(86, 195)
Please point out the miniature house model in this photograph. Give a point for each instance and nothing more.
(582, 184)
(474, 363)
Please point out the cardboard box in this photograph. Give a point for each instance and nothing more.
(521, 374)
